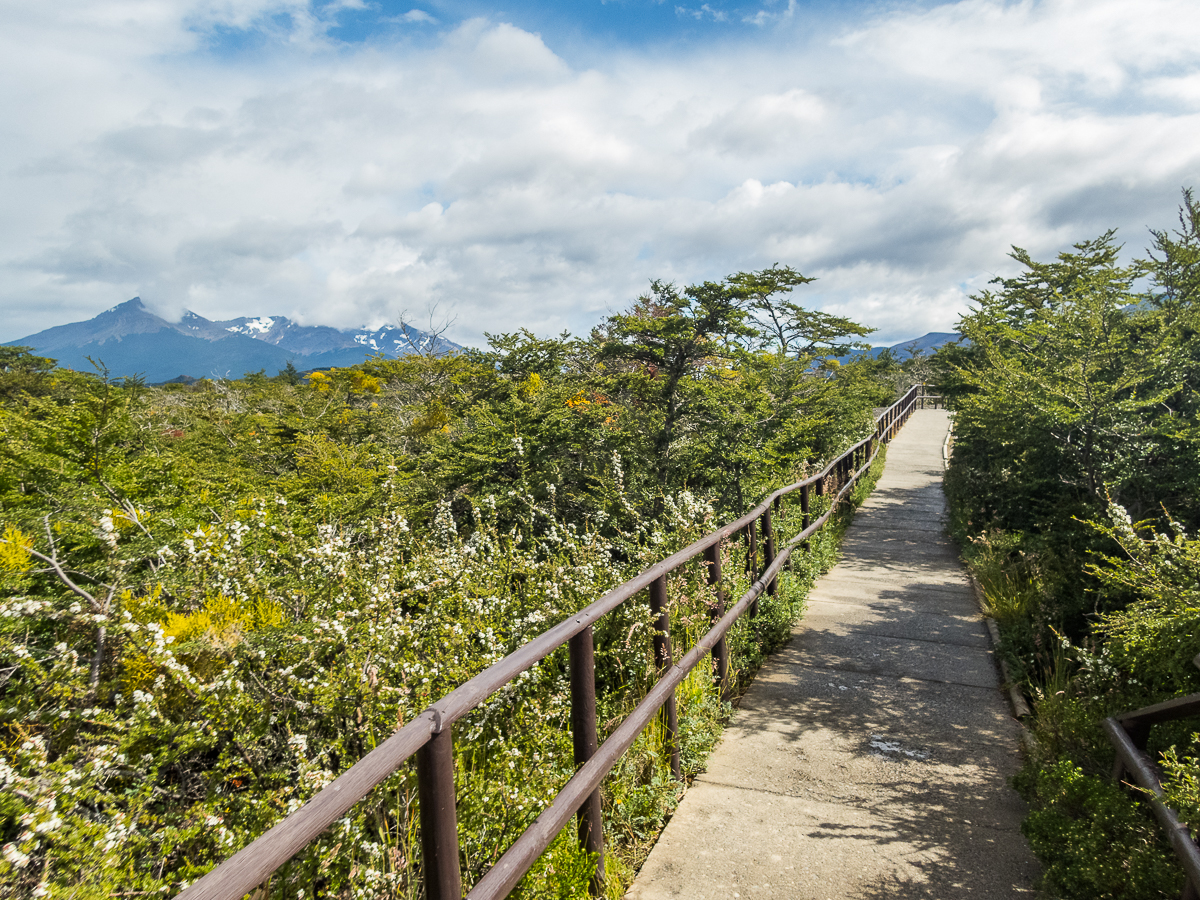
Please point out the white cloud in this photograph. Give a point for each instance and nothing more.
(699, 13)
(485, 173)
(417, 15)
(771, 13)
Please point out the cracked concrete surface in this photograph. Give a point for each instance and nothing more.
(870, 757)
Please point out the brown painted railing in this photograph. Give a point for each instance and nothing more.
(428, 736)
(1129, 733)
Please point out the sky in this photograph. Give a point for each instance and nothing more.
(486, 167)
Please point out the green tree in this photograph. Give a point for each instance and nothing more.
(788, 326)
(289, 374)
(23, 373)
(1058, 391)
(668, 343)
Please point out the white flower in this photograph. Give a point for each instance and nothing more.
(49, 825)
(15, 856)
(108, 531)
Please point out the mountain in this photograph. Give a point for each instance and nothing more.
(131, 340)
(926, 344)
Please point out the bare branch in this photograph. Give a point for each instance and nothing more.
(52, 561)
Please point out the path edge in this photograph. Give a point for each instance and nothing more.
(1016, 699)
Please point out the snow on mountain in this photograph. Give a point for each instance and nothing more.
(255, 326)
(131, 340)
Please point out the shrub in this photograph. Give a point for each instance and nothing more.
(1095, 841)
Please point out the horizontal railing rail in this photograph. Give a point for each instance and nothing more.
(428, 736)
(1129, 733)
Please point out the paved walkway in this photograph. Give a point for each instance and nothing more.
(869, 758)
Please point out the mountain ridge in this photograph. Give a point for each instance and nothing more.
(923, 344)
(130, 340)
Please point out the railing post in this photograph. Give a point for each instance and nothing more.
(439, 818)
(720, 653)
(663, 661)
(768, 556)
(752, 551)
(583, 736)
(805, 518)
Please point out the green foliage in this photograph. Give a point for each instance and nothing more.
(1057, 399)
(1013, 587)
(787, 325)
(1075, 416)
(1181, 784)
(1095, 842)
(23, 373)
(1153, 640)
(215, 598)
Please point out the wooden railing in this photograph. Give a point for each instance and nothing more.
(1129, 733)
(429, 736)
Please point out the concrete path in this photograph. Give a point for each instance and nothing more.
(869, 758)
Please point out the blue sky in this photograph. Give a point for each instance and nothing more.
(535, 164)
(587, 24)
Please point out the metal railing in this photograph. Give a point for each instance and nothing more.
(429, 737)
(1129, 734)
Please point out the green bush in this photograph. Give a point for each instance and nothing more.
(1094, 840)
(1181, 784)
(1076, 416)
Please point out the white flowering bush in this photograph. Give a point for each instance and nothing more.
(301, 657)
